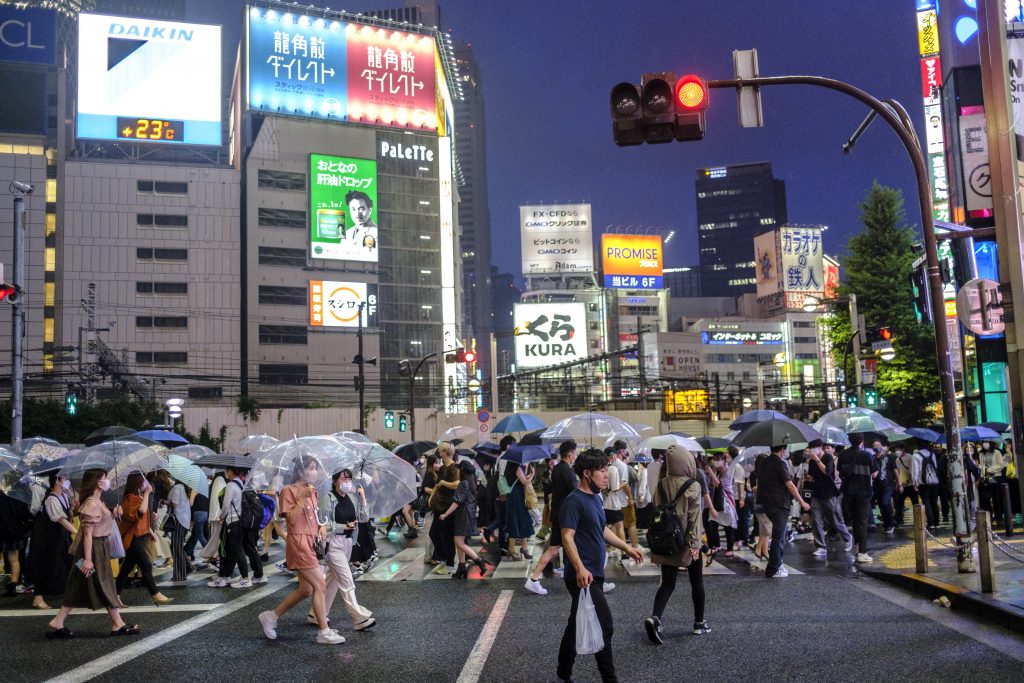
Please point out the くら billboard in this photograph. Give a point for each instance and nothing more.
(632, 261)
(336, 304)
(343, 208)
(548, 334)
(301, 65)
(143, 80)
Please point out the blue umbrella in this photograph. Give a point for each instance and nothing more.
(522, 455)
(518, 422)
(923, 434)
(978, 433)
(752, 416)
(1000, 427)
(162, 436)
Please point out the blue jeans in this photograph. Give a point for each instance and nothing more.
(198, 534)
(883, 499)
(779, 518)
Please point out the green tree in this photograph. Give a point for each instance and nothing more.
(876, 267)
(249, 409)
(49, 418)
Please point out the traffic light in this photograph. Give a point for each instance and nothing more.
(691, 101)
(71, 401)
(8, 292)
(405, 367)
(870, 398)
(627, 126)
(919, 290)
(851, 400)
(878, 334)
(389, 419)
(403, 422)
(659, 116)
(460, 356)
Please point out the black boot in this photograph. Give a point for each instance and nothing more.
(461, 571)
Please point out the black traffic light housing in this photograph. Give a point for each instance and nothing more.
(659, 116)
(627, 124)
(876, 334)
(461, 355)
(691, 102)
(661, 109)
(919, 291)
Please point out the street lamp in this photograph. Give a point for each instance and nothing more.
(406, 369)
(812, 304)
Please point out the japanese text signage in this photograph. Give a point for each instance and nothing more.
(974, 159)
(148, 81)
(802, 256)
(687, 403)
(632, 261)
(767, 264)
(741, 337)
(336, 304)
(556, 238)
(549, 334)
(928, 32)
(324, 68)
(28, 35)
(343, 208)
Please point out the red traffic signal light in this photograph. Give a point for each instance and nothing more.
(460, 356)
(7, 290)
(691, 94)
(469, 357)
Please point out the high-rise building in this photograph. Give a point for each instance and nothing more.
(167, 10)
(735, 204)
(474, 212)
(683, 281)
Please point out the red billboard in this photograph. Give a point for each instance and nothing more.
(931, 78)
(391, 79)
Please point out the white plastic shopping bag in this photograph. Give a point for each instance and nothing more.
(589, 638)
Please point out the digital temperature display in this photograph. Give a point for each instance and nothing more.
(153, 130)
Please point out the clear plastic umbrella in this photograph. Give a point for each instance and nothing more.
(12, 470)
(596, 429)
(389, 481)
(664, 441)
(257, 443)
(457, 432)
(286, 462)
(855, 419)
(748, 456)
(38, 449)
(191, 452)
(353, 436)
(118, 457)
(188, 473)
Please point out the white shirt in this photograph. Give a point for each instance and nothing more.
(181, 510)
(909, 467)
(231, 508)
(614, 499)
(54, 506)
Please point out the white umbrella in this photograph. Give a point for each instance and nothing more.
(285, 463)
(191, 452)
(352, 436)
(596, 429)
(855, 419)
(256, 443)
(388, 481)
(457, 432)
(664, 441)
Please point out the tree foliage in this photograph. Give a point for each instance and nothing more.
(49, 418)
(876, 268)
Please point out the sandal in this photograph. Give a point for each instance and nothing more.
(59, 633)
(127, 630)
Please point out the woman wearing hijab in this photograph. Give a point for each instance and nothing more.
(678, 482)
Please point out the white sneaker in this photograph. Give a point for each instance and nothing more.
(535, 587)
(821, 552)
(283, 567)
(262, 579)
(558, 571)
(609, 586)
(311, 619)
(781, 574)
(219, 583)
(367, 623)
(863, 558)
(329, 637)
(242, 583)
(268, 620)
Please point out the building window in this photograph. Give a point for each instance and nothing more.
(161, 220)
(162, 187)
(281, 218)
(803, 323)
(805, 340)
(171, 288)
(281, 180)
(284, 374)
(161, 357)
(151, 254)
(283, 334)
(161, 321)
(205, 392)
(282, 256)
(807, 356)
(283, 296)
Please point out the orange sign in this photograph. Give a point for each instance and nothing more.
(632, 261)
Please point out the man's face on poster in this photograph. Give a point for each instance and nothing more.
(360, 211)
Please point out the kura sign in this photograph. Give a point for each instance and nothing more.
(549, 334)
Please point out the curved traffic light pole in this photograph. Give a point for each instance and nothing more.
(899, 121)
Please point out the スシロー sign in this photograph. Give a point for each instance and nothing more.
(336, 304)
(148, 81)
(548, 334)
(632, 261)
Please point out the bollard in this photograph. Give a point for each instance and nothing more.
(920, 541)
(985, 560)
(1007, 510)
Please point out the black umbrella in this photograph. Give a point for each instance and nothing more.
(107, 433)
(412, 451)
(776, 432)
(532, 438)
(221, 460)
(487, 447)
(712, 442)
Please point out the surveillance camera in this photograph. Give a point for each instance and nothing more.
(24, 188)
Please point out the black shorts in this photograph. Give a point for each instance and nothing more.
(555, 539)
(613, 516)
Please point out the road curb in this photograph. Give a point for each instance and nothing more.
(983, 606)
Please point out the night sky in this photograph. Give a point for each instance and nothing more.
(548, 68)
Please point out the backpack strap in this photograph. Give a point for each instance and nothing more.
(679, 494)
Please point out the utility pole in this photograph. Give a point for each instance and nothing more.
(406, 369)
(858, 372)
(361, 379)
(493, 348)
(19, 190)
(641, 364)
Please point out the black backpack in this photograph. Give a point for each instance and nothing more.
(250, 517)
(666, 534)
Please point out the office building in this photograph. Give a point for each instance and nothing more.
(735, 204)
(683, 282)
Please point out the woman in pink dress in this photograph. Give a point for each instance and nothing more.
(299, 508)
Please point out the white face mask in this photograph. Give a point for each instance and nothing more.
(346, 487)
(312, 477)
(66, 484)
(104, 484)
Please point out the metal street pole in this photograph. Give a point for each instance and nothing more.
(493, 348)
(899, 121)
(412, 394)
(858, 371)
(362, 376)
(641, 360)
(18, 312)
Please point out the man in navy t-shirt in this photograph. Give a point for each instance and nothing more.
(584, 538)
